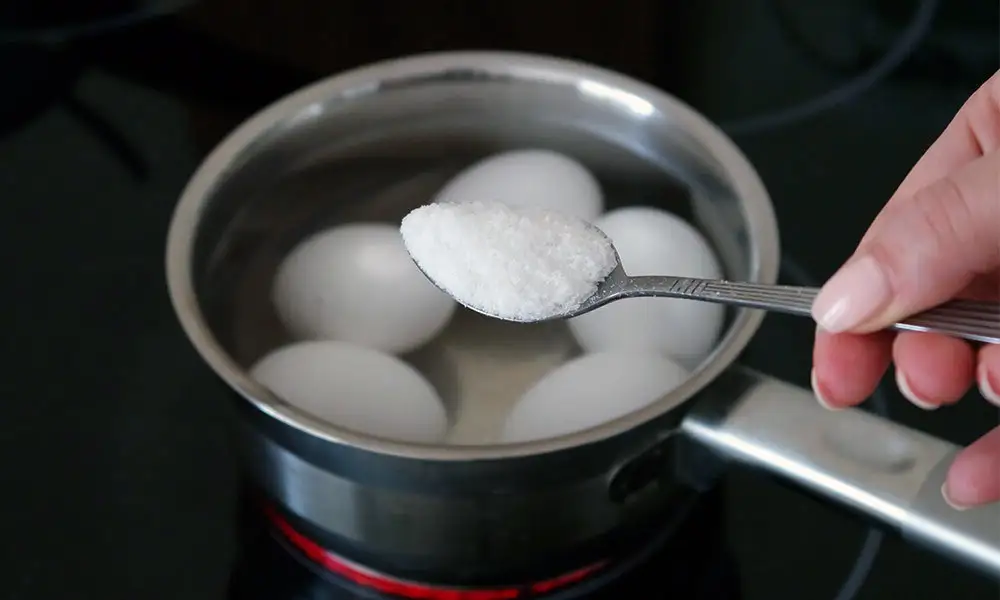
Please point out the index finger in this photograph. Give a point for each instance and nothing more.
(972, 133)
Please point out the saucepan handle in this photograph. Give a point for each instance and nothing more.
(881, 469)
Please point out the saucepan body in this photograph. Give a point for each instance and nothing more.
(370, 145)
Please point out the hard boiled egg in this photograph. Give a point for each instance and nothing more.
(591, 390)
(654, 242)
(529, 178)
(356, 283)
(357, 388)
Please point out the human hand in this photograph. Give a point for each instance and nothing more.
(937, 238)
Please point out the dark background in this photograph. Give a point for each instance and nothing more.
(116, 479)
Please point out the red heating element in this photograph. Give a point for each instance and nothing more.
(415, 591)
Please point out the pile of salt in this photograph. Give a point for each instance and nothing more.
(518, 264)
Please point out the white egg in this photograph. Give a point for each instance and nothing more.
(529, 178)
(357, 388)
(356, 283)
(590, 390)
(654, 242)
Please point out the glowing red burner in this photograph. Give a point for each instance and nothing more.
(404, 589)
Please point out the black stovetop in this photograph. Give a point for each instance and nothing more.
(117, 476)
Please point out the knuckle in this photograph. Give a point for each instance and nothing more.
(931, 226)
(943, 214)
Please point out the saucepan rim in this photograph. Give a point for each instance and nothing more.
(182, 235)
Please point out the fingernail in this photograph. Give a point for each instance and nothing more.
(819, 394)
(987, 386)
(949, 501)
(904, 387)
(853, 294)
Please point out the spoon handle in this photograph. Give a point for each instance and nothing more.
(966, 319)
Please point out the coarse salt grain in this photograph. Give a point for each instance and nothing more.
(518, 264)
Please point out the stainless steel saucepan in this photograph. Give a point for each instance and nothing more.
(373, 143)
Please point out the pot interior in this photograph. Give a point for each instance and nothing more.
(372, 157)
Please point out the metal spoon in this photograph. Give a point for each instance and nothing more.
(966, 319)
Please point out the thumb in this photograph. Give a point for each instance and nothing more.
(922, 251)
